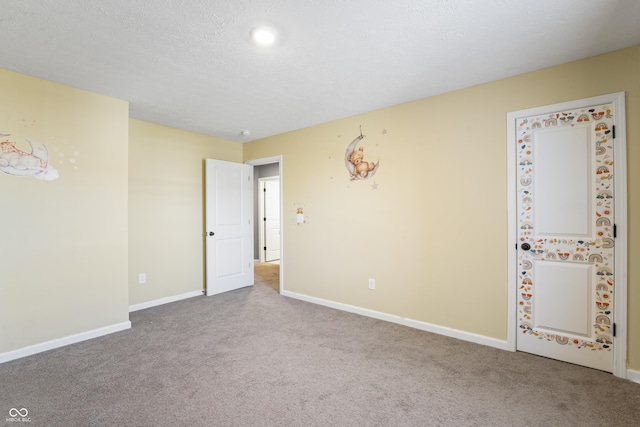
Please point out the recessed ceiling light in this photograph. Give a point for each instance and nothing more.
(263, 35)
(246, 132)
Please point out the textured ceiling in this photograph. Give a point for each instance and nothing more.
(190, 64)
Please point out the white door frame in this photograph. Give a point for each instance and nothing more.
(261, 214)
(620, 214)
(268, 161)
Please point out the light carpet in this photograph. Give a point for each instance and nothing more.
(252, 357)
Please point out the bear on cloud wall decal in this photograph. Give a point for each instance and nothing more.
(16, 162)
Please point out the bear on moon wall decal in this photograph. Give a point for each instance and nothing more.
(358, 168)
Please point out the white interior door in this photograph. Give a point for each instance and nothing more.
(566, 235)
(272, 219)
(229, 240)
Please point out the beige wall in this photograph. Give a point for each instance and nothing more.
(63, 263)
(433, 232)
(166, 208)
(430, 227)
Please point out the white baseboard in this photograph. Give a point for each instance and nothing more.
(165, 300)
(61, 342)
(633, 375)
(417, 324)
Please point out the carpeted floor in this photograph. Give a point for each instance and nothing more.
(254, 358)
(268, 274)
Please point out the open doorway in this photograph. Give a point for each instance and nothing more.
(268, 263)
(268, 218)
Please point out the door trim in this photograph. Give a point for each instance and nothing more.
(267, 161)
(620, 203)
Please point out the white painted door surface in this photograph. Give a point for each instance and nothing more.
(566, 235)
(272, 219)
(229, 232)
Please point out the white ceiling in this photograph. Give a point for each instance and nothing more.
(190, 64)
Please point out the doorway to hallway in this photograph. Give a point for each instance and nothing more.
(269, 167)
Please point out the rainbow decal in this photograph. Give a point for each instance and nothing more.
(595, 258)
(605, 194)
(605, 339)
(604, 271)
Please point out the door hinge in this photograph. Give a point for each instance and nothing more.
(613, 131)
(264, 219)
(614, 329)
(264, 190)
(615, 231)
(265, 248)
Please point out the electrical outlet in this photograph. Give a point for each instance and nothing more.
(372, 283)
(142, 278)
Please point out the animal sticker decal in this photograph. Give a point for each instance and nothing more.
(358, 168)
(17, 162)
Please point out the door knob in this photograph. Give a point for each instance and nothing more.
(525, 246)
(211, 233)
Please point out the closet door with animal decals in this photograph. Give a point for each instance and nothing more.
(565, 176)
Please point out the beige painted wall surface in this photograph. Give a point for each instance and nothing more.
(430, 226)
(64, 242)
(166, 216)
